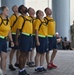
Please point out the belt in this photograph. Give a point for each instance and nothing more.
(42, 36)
(14, 33)
(27, 34)
(33, 34)
(50, 35)
(2, 37)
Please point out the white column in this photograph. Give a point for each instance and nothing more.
(10, 3)
(0, 3)
(61, 14)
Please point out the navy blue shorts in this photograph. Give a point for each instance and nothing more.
(34, 41)
(43, 45)
(52, 43)
(14, 40)
(3, 45)
(25, 44)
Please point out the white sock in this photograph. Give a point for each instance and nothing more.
(22, 70)
(41, 66)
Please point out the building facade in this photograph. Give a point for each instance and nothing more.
(62, 11)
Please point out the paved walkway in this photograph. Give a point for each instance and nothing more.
(64, 60)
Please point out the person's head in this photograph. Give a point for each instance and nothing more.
(15, 8)
(4, 11)
(65, 38)
(31, 12)
(22, 9)
(48, 11)
(57, 34)
(39, 14)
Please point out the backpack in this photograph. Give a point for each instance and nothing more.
(32, 19)
(3, 20)
(14, 21)
(47, 20)
(25, 19)
(41, 24)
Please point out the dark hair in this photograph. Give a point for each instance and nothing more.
(37, 12)
(2, 9)
(13, 7)
(65, 38)
(28, 9)
(20, 9)
(46, 9)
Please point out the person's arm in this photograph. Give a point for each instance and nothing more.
(71, 30)
(17, 35)
(10, 38)
(37, 39)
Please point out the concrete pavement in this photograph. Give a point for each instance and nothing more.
(64, 60)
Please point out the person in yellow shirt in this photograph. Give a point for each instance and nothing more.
(13, 20)
(52, 42)
(30, 62)
(24, 26)
(4, 32)
(41, 41)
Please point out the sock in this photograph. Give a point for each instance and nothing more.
(38, 67)
(22, 70)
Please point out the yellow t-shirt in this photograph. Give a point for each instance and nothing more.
(51, 25)
(27, 28)
(4, 28)
(42, 30)
(33, 20)
(13, 20)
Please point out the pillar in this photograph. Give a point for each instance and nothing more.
(61, 14)
(10, 3)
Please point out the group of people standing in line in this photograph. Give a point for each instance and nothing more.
(26, 32)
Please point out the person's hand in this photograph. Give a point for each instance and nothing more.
(58, 40)
(12, 44)
(38, 43)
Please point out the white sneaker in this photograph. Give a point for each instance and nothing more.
(1, 72)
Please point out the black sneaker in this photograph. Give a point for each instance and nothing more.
(31, 64)
(43, 69)
(38, 70)
(27, 63)
(11, 68)
(23, 73)
(17, 65)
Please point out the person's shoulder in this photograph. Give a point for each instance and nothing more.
(72, 25)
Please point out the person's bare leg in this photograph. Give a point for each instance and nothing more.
(17, 56)
(11, 56)
(26, 55)
(32, 55)
(53, 55)
(29, 54)
(0, 59)
(3, 61)
(21, 60)
(37, 59)
(47, 57)
(42, 59)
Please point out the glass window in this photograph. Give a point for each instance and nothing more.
(38, 4)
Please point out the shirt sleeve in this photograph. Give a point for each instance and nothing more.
(37, 23)
(12, 19)
(19, 22)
